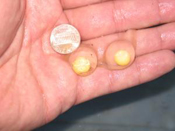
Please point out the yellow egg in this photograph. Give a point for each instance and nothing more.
(122, 58)
(81, 65)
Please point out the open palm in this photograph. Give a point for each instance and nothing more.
(36, 85)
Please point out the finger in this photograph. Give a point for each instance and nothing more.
(154, 39)
(115, 16)
(145, 68)
(146, 40)
(68, 4)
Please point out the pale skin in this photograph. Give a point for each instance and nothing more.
(36, 86)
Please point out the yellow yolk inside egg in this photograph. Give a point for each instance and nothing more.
(81, 65)
(122, 58)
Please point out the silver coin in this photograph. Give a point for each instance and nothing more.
(65, 39)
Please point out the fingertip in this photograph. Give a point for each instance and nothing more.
(171, 58)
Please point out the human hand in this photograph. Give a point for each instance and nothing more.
(36, 85)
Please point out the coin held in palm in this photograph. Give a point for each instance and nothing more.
(65, 39)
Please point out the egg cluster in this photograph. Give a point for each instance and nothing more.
(118, 55)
